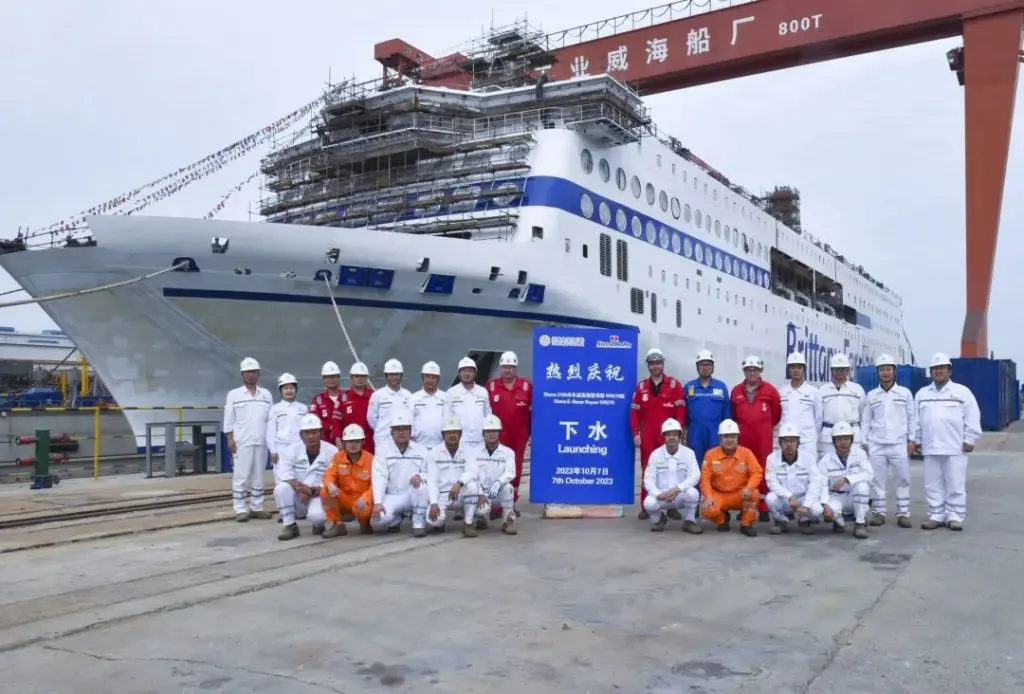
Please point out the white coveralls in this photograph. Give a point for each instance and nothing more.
(888, 422)
(444, 469)
(947, 418)
(666, 470)
(427, 417)
(802, 478)
(842, 404)
(855, 496)
(393, 471)
(283, 429)
(493, 472)
(472, 407)
(802, 408)
(245, 417)
(294, 464)
(384, 403)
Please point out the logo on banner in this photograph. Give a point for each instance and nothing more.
(613, 342)
(562, 341)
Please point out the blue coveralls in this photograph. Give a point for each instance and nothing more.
(706, 407)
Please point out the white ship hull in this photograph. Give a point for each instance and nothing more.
(177, 339)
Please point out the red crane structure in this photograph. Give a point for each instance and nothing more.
(672, 47)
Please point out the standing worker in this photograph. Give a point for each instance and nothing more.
(386, 402)
(512, 403)
(707, 405)
(356, 402)
(346, 484)
(245, 422)
(889, 424)
(842, 400)
(801, 406)
(948, 426)
(428, 406)
(757, 409)
(283, 421)
(327, 404)
(470, 403)
(656, 399)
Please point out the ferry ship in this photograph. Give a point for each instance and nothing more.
(430, 223)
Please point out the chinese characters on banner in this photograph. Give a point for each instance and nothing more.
(582, 450)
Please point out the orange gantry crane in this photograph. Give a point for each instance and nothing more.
(656, 52)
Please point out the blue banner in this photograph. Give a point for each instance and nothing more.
(581, 449)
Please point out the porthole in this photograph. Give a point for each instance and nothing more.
(587, 205)
(587, 160)
(718, 260)
(652, 232)
(676, 243)
(620, 178)
(637, 226)
(728, 265)
(636, 187)
(698, 218)
(620, 220)
(663, 201)
(699, 252)
(707, 223)
(675, 208)
(688, 248)
(743, 244)
(649, 191)
(718, 228)
(663, 237)
(686, 213)
(604, 169)
(606, 213)
(759, 252)
(735, 237)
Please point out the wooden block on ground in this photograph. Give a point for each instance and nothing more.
(563, 511)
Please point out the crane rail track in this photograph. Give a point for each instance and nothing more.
(27, 520)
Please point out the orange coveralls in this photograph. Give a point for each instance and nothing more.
(723, 479)
(353, 479)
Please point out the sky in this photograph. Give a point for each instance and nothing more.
(103, 95)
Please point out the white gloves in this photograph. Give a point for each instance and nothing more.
(492, 493)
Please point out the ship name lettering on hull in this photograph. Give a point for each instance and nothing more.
(818, 356)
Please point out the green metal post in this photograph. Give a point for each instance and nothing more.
(43, 477)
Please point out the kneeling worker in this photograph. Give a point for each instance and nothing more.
(493, 467)
(302, 467)
(847, 489)
(729, 481)
(346, 485)
(398, 487)
(671, 480)
(794, 483)
(449, 489)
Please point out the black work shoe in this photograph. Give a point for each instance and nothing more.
(877, 520)
(749, 530)
(660, 525)
(289, 532)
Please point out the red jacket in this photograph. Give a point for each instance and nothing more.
(650, 410)
(757, 419)
(329, 413)
(513, 406)
(353, 411)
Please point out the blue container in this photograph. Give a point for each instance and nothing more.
(227, 462)
(907, 375)
(1016, 400)
(992, 382)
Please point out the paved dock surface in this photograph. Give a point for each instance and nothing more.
(594, 606)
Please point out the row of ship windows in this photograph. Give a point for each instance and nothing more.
(622, 274)
(700, 220)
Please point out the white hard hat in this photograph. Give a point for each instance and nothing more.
(466, 363)
(671, 424)
(885, 360)
(401, 419)
(654, 354)
(705, 355)
(492, 423)
(330, 369)
(788, 430)
(728, 426)
(508, 359)
(839, 361)
(353, 432)
(431, 368)
(842, 429)
(359, 369)
(393, 366)
(940, 359)
(796, 359)
(451, 423)
(249, 364)
(287, 379)
(753, 361)
(310, 422)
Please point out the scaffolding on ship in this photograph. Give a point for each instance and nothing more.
(399, 157)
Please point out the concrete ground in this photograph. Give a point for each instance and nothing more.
(566, 606)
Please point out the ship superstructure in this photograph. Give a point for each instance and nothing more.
(425, 222)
